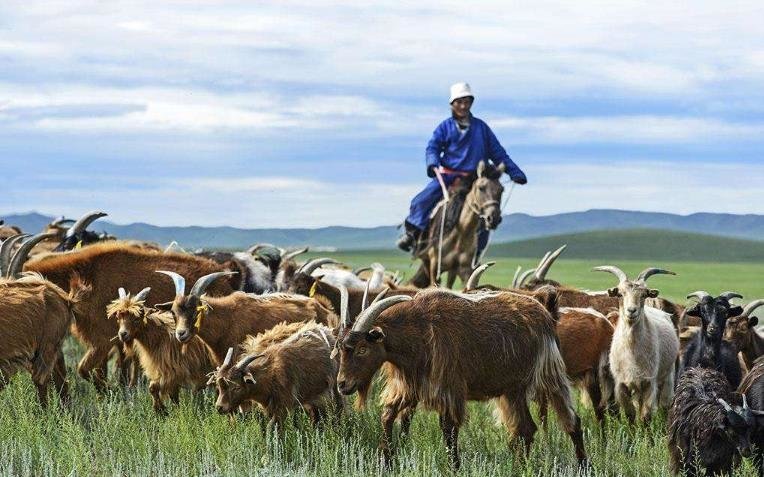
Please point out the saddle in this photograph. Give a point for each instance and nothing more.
(457, 192)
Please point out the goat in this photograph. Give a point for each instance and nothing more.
(645, 347)
(432, 349)
(106, 267)
(295, 372)
(167, 364)
(224, 322)
(706, 429)
(752, 387)
(707, 349)
(741, 333)
(34, 319)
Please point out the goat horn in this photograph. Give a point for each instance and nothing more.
(84, 222)
(5, 251)
(380, 295)
(294, 253)
(310, 266)
(700, 295)
(749, 308)
(525, 276)
(543, 261)
(727, 407)
(517, 275)
(365, 320)
(227, 360)
(344, 306)
(60, 221)
(360, 270)
(365, 300)
(247, 359)
(745, 402)
(17, 262)
(729, 295)
(254, 248)
(474, 279)
(141, 296)
(614, 270)
(543, 269)
(178, 280)
(122, 293)
(204, 282)
(649, 272)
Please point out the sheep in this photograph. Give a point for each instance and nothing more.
(707, 350)
(34, 318)
(224, 322)
(432, 349)
(752, 387)
(294, 373)
(645, 347)
(106, 267)
(706, 429)
(741, 333)
(167, 364)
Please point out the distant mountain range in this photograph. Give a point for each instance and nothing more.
(515, 227)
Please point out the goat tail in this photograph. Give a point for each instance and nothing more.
(550, 300)
(606, 382)
(549, 376)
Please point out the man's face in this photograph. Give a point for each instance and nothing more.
(461, 107)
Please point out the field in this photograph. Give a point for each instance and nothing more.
(118, 434)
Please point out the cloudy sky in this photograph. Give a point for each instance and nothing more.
(292, 113)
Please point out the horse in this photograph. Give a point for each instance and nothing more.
(482, 204)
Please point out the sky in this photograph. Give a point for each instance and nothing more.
(308, 114)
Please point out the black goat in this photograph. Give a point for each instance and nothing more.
(706, 430)
(707, 350)
(752, 388)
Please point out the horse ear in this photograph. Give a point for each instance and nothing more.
(502, 168)
(481, 169)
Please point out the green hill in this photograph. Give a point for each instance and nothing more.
(638, 244)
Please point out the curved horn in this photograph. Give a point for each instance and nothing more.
(227, 360)
(614, 270)
(729, 295)
(543, 261)
(360, 270)
(57, 222)
(178, 280)
(310, 266)
(524, 277)
(84, 222)
(254, 248)
(365, 300)
(745, 402)
(17, 262)
(474, 279)
(365, 320)
(727, 407)
(649, 272)
(543, 269)
(294, 253)
(749, 308)
(247, 359)
(204, 282)
(517, 275)
(344, 298)
(141, 296)
(122, 293)
(700, 295)
(5, 251)
(380, 295)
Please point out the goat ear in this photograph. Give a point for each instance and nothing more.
(652, 293)
(693, 311)
(752, 321)
(735, 311)
(248, 378)
(167, 306)
(375, 335)
(613, 292)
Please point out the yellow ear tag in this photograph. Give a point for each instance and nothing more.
(78, 246)
(145, 319)
(313, 289)
(201, 310)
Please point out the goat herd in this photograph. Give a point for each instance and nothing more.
(274, 336)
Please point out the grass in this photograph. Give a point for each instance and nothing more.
(118, 434)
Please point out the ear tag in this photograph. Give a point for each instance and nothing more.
(334, 353)
(78, 246)
(313, 289)
(145, 319)
(201, 312)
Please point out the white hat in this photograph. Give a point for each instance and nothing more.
(460, 90)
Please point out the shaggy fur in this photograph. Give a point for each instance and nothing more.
(294, 373)
(752, 387)
(433, 351)
(106, 267)
(167, 364)
(741, 333)
(34, 319)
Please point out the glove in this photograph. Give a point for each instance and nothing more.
(430, 171)
(519, 178)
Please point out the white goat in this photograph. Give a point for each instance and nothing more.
(645, 347)
(338, 277)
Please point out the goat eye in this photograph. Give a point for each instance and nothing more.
(361, 352)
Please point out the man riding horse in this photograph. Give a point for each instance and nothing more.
(457, 147)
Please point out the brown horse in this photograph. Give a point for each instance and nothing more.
(457, 249)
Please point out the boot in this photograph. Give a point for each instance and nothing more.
(409, 238)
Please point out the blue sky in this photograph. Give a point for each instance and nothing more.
(317, 113)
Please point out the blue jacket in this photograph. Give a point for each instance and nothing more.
(447, 148)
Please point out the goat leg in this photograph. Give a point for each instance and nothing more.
(451, 436)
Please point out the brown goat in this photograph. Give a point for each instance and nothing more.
(585, 335)
(34, 319)
(741, 332)
(151, 334)
(432, 350)
(293, 373)
(106, 267)
(224, 322)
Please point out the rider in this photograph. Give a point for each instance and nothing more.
(458, 145)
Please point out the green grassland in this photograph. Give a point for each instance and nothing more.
(118, 434)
